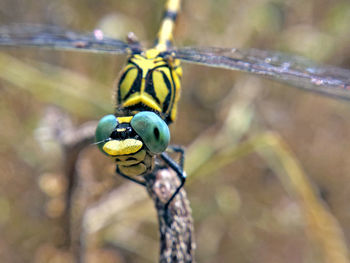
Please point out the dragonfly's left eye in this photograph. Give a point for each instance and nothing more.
(152, 129)
(104, 130)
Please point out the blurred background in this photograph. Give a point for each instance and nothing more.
(246, 209)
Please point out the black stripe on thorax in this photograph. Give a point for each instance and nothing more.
(133, 63)
(168, 102)
(150, 87)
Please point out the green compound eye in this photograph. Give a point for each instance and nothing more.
(152, 129)
(104, 129)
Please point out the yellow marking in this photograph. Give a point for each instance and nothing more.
(151, 53)
(173, 5)
(178, 69)
(128, 81)
(145, 99)
(160, 88)
(121, 129)
(134, 170)
(177, 74)
(147, 64)
(124, 119)
(123, 147)
(135, 158)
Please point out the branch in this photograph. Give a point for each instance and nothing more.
(175, 224)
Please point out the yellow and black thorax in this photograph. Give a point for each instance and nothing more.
(150, 81)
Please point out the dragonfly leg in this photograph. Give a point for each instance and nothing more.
(181, 151)
(179, 172)
(130, 178)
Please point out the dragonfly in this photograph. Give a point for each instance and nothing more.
(149, 87)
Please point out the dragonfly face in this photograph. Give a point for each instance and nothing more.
(133, 140)
(150, 81)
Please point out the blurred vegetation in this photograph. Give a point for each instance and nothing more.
(252, 206)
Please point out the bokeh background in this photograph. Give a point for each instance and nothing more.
(246, 211)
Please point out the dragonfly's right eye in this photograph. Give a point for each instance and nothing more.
(104, 130)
